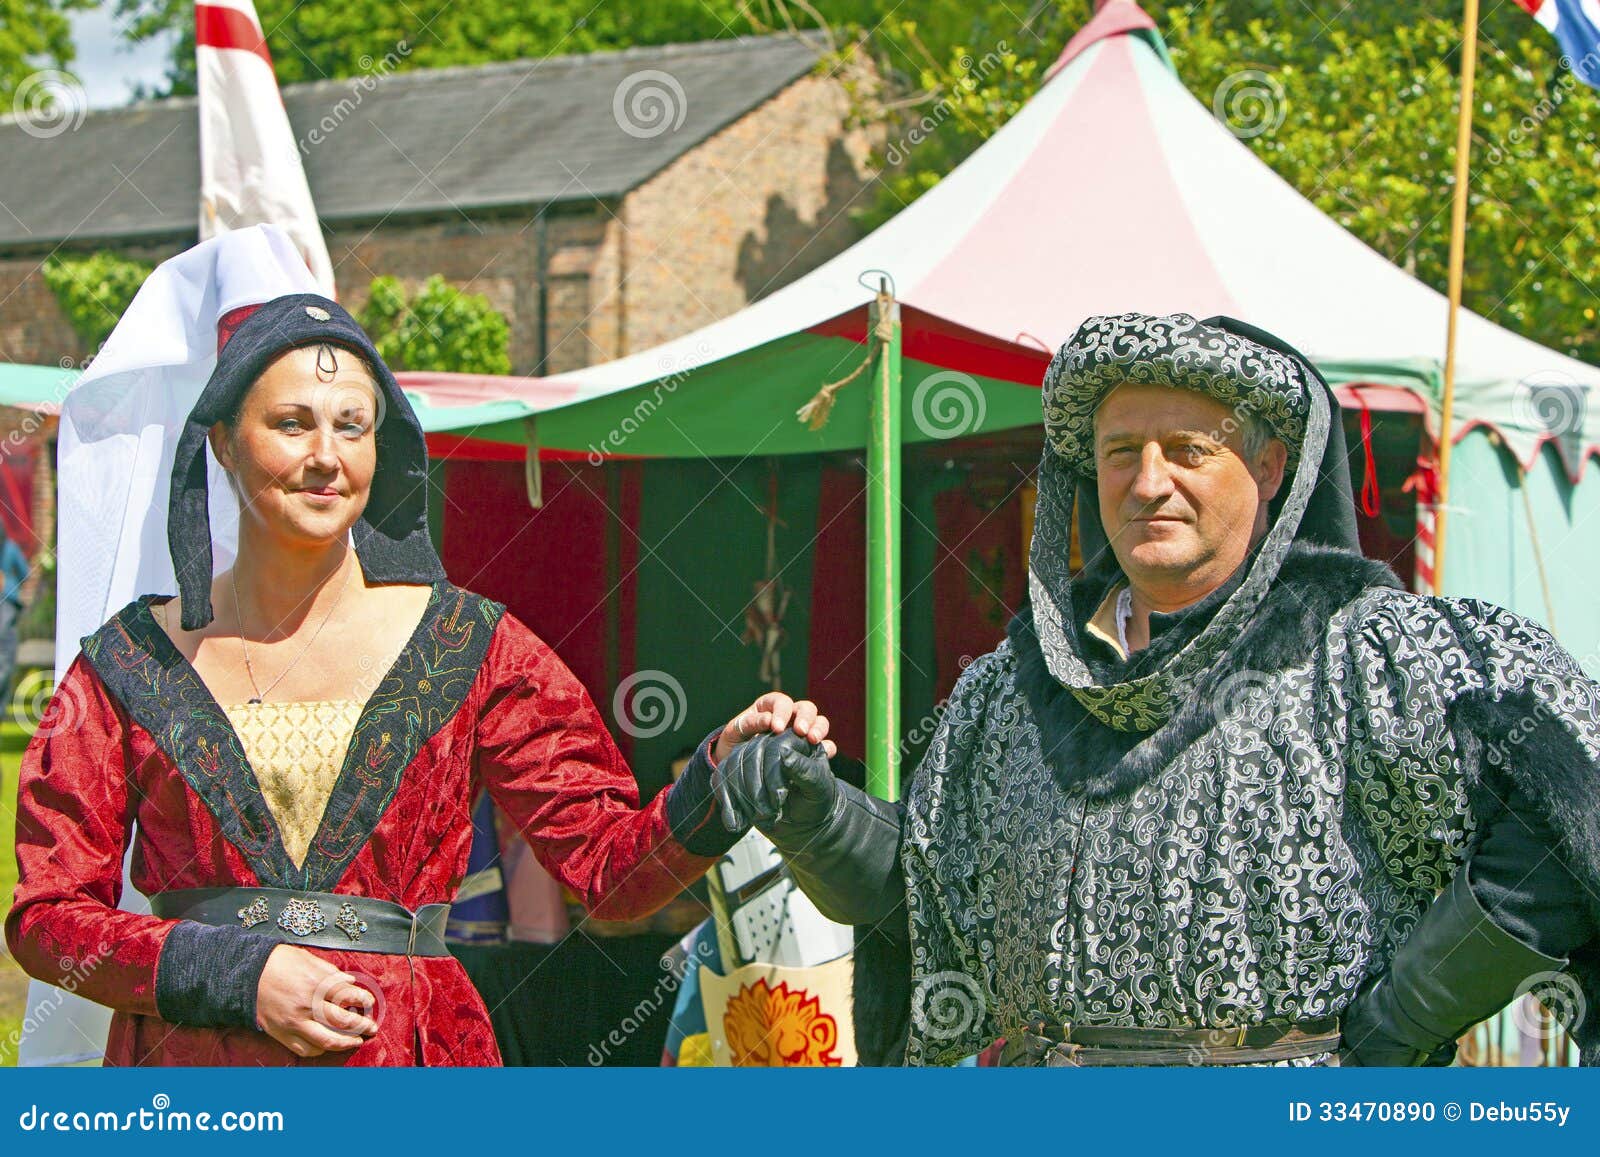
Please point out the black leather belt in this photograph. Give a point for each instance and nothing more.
(1075, 1046)
(318, 919)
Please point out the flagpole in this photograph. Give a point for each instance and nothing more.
(1458, 246)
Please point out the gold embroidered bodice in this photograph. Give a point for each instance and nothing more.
(296, 751)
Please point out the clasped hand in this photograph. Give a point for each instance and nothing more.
(772, 765)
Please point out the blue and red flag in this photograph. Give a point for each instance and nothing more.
(1576, 25)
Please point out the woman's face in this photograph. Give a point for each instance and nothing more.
(304, 448)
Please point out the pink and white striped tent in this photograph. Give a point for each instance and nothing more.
(1113, 189)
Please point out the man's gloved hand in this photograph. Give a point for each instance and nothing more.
(841, 844)
(1365, 1042)
(773, 779)
(1457, 967)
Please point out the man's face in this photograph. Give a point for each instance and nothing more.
(1178, 498)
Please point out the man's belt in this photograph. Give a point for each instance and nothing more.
(315, 919)
(1074, 1046)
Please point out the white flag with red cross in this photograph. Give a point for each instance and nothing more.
(250, 163)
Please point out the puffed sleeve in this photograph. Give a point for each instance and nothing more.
(74, 812)
(1465, 716)
(76, 804)
(1400, 672)
(548, 761)
(1535, 717)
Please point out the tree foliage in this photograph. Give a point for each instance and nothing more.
(436, 328)
(1368, 134)
(1362, 121)
(93, 291)
(34, 37)
(1366, 93)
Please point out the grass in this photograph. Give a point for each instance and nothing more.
(13, 983)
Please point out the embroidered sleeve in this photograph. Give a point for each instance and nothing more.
(692, 811)
(547, 759)
(73, 817)
(1534, 714)
(1406, 782)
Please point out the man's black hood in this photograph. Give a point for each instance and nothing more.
(1251, 372)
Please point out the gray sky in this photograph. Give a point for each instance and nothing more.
(109, 67)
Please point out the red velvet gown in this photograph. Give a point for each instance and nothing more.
(132, 734)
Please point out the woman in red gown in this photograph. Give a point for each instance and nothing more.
(301, 766)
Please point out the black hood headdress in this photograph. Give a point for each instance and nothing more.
(1251, 372)
(391, 537)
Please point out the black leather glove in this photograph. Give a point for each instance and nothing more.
(841, 844)
(1455, 969)
(775, 779)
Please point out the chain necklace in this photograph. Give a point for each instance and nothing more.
(238, 614)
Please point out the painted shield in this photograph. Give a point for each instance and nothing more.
(769, 1016)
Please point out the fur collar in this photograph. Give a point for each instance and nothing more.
(1087, 756)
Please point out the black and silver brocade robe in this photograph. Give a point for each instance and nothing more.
(1241, 822)
(1264, 851)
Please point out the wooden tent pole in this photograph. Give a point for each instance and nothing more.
(883, 553)
(1458, 246)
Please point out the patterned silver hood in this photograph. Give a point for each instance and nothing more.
(1247, 370)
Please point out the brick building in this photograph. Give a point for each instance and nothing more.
(603, 203)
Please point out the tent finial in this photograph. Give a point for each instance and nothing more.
(1111, 18)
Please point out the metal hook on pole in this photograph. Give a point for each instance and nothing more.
(885, 282)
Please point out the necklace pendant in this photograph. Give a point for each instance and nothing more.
(255, 701)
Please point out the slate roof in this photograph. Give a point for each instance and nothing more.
(521, 133)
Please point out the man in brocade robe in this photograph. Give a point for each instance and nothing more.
(1229, 794)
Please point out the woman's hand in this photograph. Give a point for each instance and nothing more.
(775, 712)
(309, 1006)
